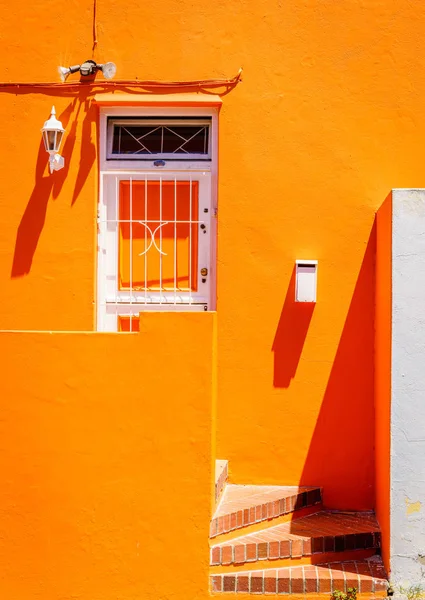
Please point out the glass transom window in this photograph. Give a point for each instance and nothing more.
(157, 138)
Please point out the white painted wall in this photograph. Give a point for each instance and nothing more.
(408, 388)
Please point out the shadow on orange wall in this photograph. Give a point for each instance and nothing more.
(290, 336)
(47, 185)
(344, 432)
(88, 149)
(34, 217)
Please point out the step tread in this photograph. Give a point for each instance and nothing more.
(308, 535)
(368, 576)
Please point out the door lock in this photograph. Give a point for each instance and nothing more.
(204, 272)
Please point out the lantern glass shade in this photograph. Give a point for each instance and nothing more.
(52, 133)
(59, 135)
(52, 140)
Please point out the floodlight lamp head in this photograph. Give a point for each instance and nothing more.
(64, 72)
(109, 70)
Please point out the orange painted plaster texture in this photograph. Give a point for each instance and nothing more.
(105, 443)
(329, 117)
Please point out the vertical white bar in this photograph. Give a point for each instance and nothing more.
(146, 238)
(203, 256)
(117, 251)
(175, 240)
(190, 239)
(160, 240)
(101, 290)
(131, 253)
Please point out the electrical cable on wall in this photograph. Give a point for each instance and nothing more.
(94, 27)
(129, 83)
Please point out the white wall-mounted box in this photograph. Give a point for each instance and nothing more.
(305, 280)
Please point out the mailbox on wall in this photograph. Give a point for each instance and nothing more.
(306, 281)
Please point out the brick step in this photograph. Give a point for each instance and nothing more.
(221, 475)
(320, 533)
(368, 576)
(244, 505)
(313, 559)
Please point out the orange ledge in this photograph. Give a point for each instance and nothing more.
(158, 99)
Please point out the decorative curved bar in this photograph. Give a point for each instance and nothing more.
(152, 241)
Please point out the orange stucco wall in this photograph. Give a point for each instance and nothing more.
(383, 372)
(328, 118)
(105, 447)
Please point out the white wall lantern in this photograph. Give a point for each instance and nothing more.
(306, 281)
(52, 136)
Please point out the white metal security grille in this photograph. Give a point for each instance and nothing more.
(154, 244)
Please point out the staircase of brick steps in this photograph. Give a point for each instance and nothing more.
(280, 540)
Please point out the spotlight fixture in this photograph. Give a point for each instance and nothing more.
(87, 68)
(109, 70)
(64, 72)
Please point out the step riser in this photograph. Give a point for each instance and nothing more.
(253, 585)
(314, 596)
(281, 563)
(302, 580)
(290, 549)
(264, 512)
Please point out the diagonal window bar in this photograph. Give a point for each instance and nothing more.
(135, 138)
(188, 140)
(148, 133)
